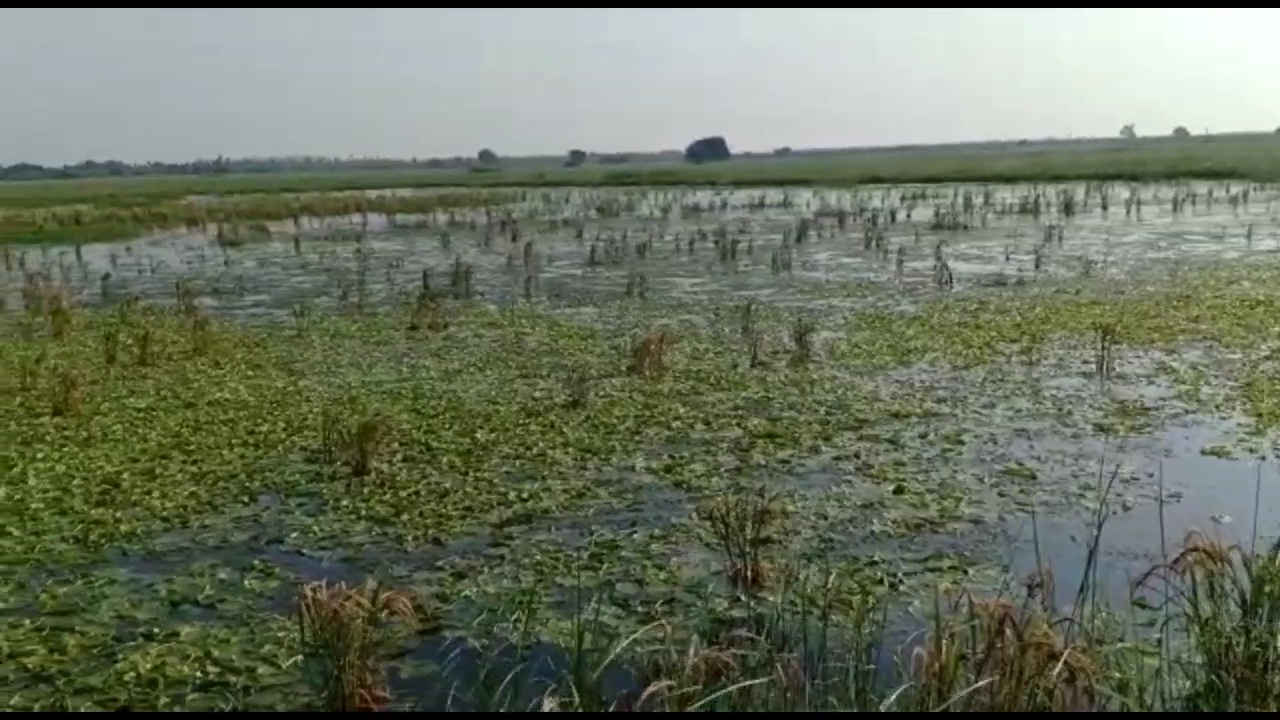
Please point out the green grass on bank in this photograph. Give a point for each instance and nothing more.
(1252, 157)
(97, 210)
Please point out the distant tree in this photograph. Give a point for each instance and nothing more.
(1181, 132)
(1128, 133)
(487, 157)
(576, 158)
(782, 151)
(615, 159)
(708, 149)
(24, 171)
(1278, 131)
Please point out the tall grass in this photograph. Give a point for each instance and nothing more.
(819, 641)
(1227, 599)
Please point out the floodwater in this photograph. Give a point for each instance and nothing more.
(1235, 500)
(575, 250)
(269, 277)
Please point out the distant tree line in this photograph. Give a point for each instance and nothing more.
(222, 166)
(578, 158)
(486, 159)
(708, 149)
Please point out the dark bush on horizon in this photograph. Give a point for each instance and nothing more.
(708, 149)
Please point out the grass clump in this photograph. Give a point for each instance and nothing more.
(342, 631)
(1225, 600)
(649, 355)
(369, 442)
(68, 393)
(359, 445)
(998, 656)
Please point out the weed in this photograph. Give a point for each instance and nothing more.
(802, 331)
(201, 333)
(363, 259)
(59, 317)
(752, 335)
(460, 279)
(1104, 362)
(577, 387)
(68, 394)
(637, 285)
(369, 440)
(185, 297)
(110, 344)
(743, 526)
(648, 355)
(1227, 600)
(145, 345)
(301, 314)
(342, 632)
(427, 313)
(31, 369)
(333, 434)
(995, 656)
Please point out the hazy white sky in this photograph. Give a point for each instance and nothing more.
(177, 84)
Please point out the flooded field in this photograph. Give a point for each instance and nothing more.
(655, 404)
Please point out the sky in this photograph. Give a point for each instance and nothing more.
(172, 85)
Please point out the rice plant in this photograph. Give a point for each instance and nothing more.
(343, 631)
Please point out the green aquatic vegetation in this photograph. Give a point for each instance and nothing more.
(466, 434)
(1019, 471)
(104, 638)
(1218, 451)
(1260, 393)
(1123, 417)
(1231, 310)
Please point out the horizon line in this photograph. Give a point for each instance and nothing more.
(796, 150)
